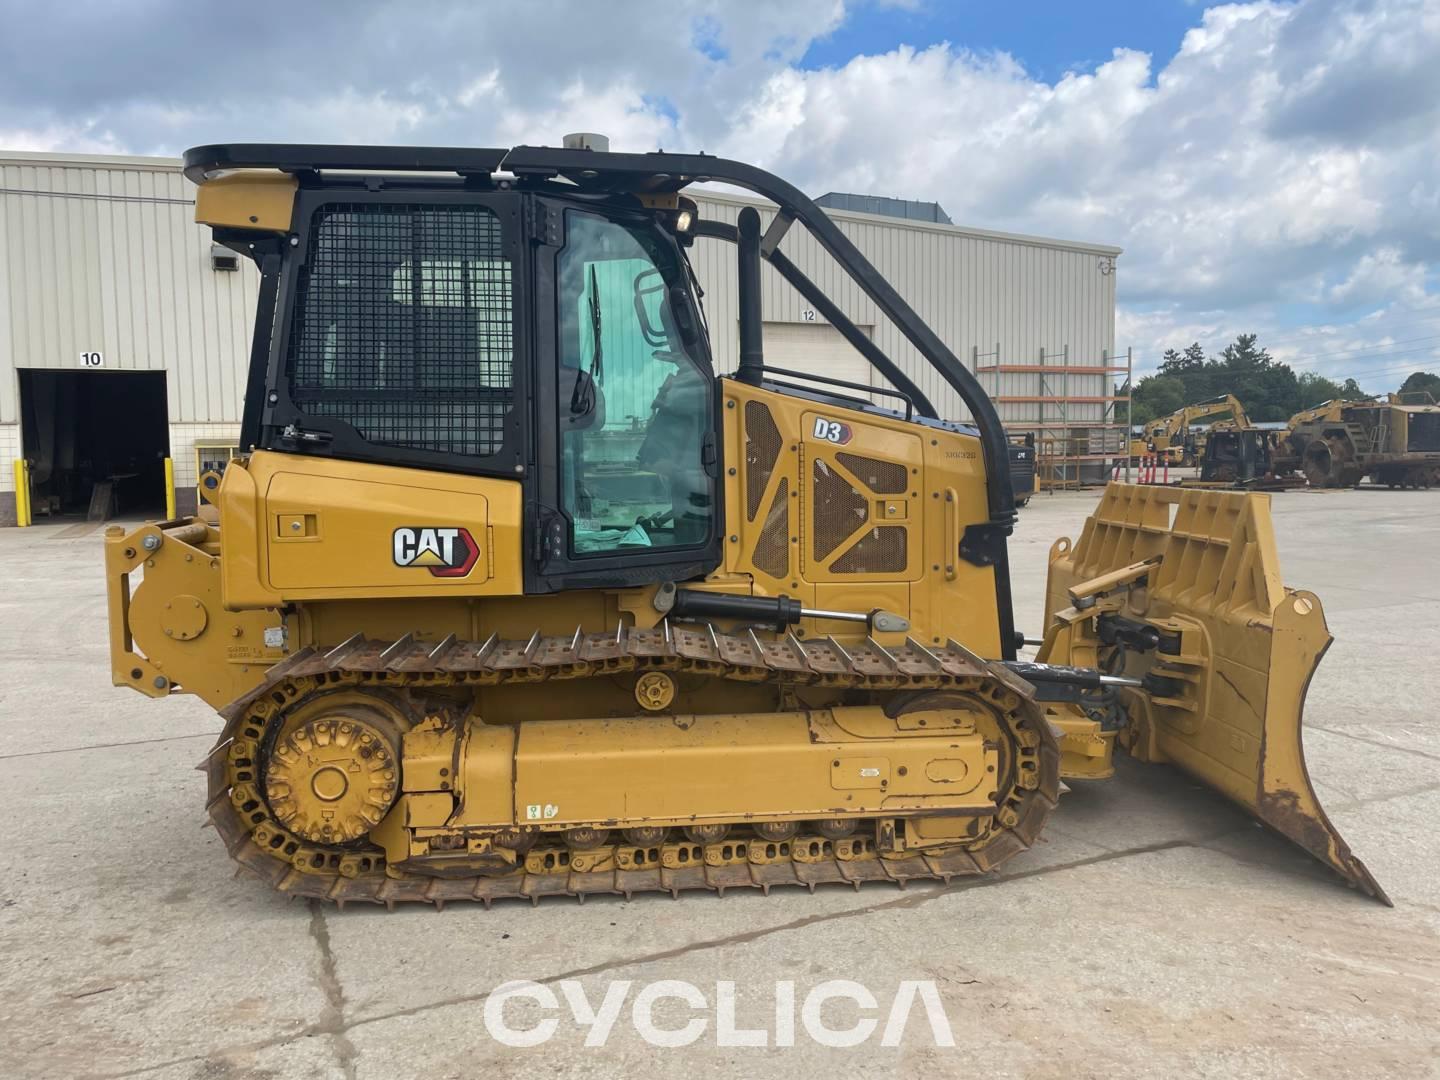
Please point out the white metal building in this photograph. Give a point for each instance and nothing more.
(124, 333)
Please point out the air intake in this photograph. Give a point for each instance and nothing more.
(839, 509)
(762, 450)
(772, 549)
(882, 550)
(881, 477)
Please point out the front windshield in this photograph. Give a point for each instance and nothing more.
(633, 401)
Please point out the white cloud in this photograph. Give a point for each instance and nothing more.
(1149, 333)
(1235, 204)
(1284, 158)
(1177, 169)
(66, 138)
(1378, 278)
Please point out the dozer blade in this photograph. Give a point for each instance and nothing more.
(1226, 650)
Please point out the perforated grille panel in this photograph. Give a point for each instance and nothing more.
(1424, 433)
(883, 477)
(838, 511)
(772, 548)
(882, 550)
(403, 326)
(762, 450)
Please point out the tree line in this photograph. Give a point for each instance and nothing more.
(1269, 389)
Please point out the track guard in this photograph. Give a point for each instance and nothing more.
(1225, 688)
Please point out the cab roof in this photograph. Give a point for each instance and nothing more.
(588, 169)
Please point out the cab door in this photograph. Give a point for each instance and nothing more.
(626, 487)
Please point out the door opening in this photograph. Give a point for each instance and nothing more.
(96, 438)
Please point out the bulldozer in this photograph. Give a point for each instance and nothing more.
(1240, 456)
(510, 595)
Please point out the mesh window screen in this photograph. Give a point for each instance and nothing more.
(404, 328)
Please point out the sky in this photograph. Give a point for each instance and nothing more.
(1270, 167)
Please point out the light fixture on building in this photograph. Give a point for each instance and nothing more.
(222, 258)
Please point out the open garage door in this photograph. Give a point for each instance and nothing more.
(95, 437)
(817, 349)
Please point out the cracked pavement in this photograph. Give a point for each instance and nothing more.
(1154, 931)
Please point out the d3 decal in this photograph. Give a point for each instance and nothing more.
(831, 430)
(445, 552)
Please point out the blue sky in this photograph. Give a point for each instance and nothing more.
(1050, 37)
(1325, 328)
(1268, 166)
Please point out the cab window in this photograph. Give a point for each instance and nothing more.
(404, 326)
(634, 399)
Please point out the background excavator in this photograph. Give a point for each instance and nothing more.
(510, 595)
(1170, 436)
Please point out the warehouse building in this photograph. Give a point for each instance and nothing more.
(124, 331)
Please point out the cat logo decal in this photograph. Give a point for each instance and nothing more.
(445, 552)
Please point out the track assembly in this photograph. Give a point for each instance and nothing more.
(307, 767)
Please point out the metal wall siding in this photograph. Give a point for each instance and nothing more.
(107, 257)
(123, 268)
(9, 238)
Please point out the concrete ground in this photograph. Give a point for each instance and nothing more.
(1154, 933)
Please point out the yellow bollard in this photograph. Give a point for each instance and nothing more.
(22, 492)
(169, 489)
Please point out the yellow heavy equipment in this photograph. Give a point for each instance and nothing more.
(1171, 438)
(509, 595)
(1396, 442)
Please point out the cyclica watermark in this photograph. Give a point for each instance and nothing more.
(524, 1013)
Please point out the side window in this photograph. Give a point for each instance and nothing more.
(634, 403)
(404, 326)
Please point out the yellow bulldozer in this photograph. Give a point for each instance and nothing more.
(509, 595)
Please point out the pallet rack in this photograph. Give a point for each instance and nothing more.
(1063, 442)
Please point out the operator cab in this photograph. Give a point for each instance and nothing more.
(531, 314)
(498, 329)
